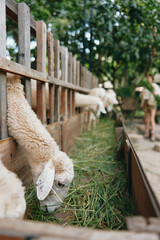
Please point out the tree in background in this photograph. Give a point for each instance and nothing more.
(125, 34)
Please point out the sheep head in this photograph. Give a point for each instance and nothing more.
(54, 179)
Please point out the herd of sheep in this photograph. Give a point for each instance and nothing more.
(52, 170)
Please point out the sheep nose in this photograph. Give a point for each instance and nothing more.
(61, 184)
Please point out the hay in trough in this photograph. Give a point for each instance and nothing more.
(98, 196)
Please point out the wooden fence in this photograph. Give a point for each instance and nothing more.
(65, 76)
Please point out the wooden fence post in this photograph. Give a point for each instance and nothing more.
(3, 92)
(77, 73)
(24, 44)
(51, 73)
(57, 102)
(41, 66)
(74, 82)
(64, 55)
(70, 80)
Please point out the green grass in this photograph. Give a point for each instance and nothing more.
(98, 196)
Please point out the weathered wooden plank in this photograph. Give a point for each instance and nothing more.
(50, 54)
(41, 66)
(16, 68)
(73, 102)
(12, 12)
(70, 102)
(56, 58)
(64, 59)
(51, 102)
(70, 67)
(57, 104)
(3, 93)
(55, 130)
(90, 81)
(141, 224)
(81, 75)
(77, 73)
(15, 160)
(74, 70)
(24, 44)
(64, 103)
(72, 125)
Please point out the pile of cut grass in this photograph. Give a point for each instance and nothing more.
(98, 196)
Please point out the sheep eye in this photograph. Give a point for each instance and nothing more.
(61, 184)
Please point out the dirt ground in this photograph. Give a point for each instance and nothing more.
(150, 159)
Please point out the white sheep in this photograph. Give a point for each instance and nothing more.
(12, 200)
(99, 92)
(51, 168)
(108, 97)
(110, 100)
(92, 103)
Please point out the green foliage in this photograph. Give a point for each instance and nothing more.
(127, 91)
(144, 83)
(125, 34)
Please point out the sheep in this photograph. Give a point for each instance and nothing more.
(110, 100)
(91, 103)
(108, 97)
(52, 169)
(12, 200)
(99, 92)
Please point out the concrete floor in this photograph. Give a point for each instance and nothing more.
(150, 159)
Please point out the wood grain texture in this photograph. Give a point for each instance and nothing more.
(77, 73)
(41, 66)
(47, 231)
(50, 45)
(71, 128)
(70, 67)
(57, 104)
(3, 92)
(51, 102)
(16, 68)
(24, 44)
(15, 160)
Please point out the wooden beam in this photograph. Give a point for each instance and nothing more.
(3, 92)
(70, 67)
(16, 68)
(24, 44)
(64, 102)
(77, 73)
(50, 54)
(51, 102)
(41, 66)
(57, 102)
(74, 70)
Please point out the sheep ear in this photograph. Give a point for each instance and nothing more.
(45, 181)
